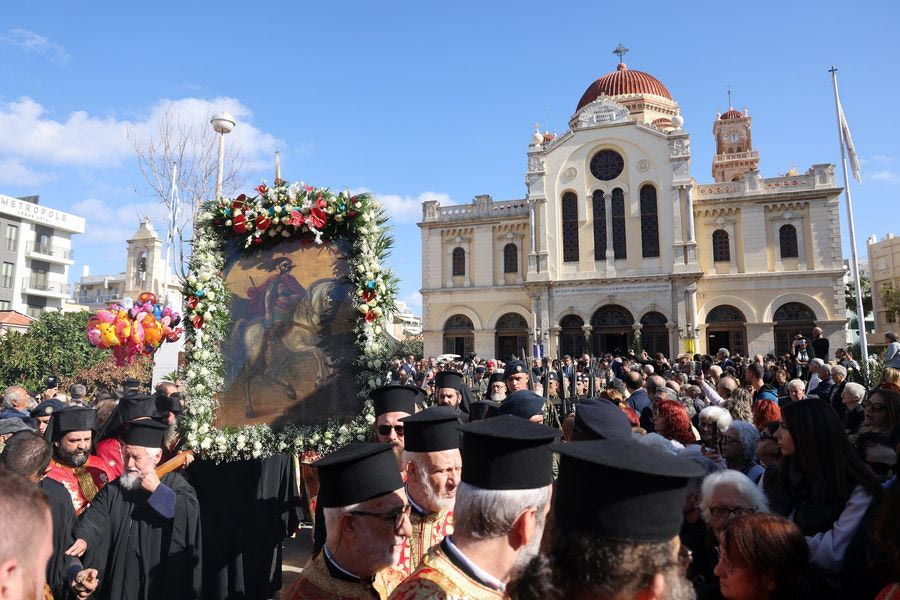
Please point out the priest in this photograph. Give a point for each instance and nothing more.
(141, 533)
(367, 522)
(433, 467)
(501, 507)
(392, 403)
(71, 434)
(110, 448)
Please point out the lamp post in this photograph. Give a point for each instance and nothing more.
(222, 123)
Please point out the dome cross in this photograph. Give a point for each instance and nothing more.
(621, 51)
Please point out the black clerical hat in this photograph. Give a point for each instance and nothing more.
(71, 419)
(395, 398)
(145, 432)
(357, 473)
(134, 405)
(507, 453)
(131, 384)
(513, 367)
(601, 420)
(621, 490)
(432, 430)
(448, 379)
(524, 404)
(166, 404)
(495, 377)
(482, 409)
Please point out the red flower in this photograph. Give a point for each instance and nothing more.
(262, 189)
(197, 321)
(370, 317)
(257, 240)
(317, 217)
(239, 224)
(297, 219)
(352, 214)
(309, 188)
(367, 295)
(238, 203)
(263, 222)
(192, 302)
(321, 203)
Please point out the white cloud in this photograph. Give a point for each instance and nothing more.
(414, 301)
(108, 225)
(13, 172)
(30, 41)
(405, 209)
(880, 159)
(884, 176)
(28, 133)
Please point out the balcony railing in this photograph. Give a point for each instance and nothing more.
(44, 285)
(96, 299)
(49, 250)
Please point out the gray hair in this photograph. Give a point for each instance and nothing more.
(718, 415)
(748, 490)
(77, 390)
(839, 370)
(816, 362)
(826, 369)
(11, 396)
(855, 390)
(668, 392)
(748, 435)
(796, 384)
(724, 352)
(483, 514)
(333, 515)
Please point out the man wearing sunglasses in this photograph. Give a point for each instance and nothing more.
(367, 519)
(392, 403)
(433, 468)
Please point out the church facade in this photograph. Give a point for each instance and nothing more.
(615, 244)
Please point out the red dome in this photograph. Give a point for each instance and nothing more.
(662, 122)
(731, 114)
(624, 81)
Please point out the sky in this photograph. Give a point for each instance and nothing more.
(418, 100)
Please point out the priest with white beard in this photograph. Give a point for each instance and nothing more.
(141, 533)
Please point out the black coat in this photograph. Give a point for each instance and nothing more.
(63, 515)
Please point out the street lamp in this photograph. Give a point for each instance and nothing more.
(222, 123)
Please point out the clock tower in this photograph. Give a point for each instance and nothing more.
(735, 155)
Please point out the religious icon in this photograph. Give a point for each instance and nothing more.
(290, 348)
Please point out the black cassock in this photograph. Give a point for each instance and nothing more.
(139, 549)
(63, 513)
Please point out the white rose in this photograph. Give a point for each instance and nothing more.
(255, 454)
(370, 419)
(240, 445)
(204, 429)
(361, 438)
(211, 296)
(207, 316)
(241, 439)
(206, 443)
(220, 440)
(257, 445)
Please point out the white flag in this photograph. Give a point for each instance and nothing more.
(848, 141)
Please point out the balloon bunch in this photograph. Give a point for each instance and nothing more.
(132, 328)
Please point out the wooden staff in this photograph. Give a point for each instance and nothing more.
(174, 463)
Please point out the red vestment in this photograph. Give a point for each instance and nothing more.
(82, 482)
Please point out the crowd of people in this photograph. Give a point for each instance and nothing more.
(611, 477)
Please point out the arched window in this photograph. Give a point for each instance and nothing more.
(459, 262)
(510, 258)
(726, 329)
(721, 250)
(511, 337)
(618, 223)
(599, 225)
(787, 237)
(571, 336)
(654, 335)
(792, 319)
(649, 222)
(570, 227)
(459, 337)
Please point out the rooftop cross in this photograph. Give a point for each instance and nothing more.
(728, 87)
(621, 51)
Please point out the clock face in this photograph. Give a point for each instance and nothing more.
(734, 137)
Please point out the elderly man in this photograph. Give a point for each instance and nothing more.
(367, 515)
(15, 404)
(77, 394)
(392, 404)
(142, 533)
(433, 465)
(27, 541)
(814, 374)
(618, 512)
(796, 391)
(853, 413)
(110, 449)
(71, 433)
(501, 507)
(823, 390)
(739, 449)
(839, 379)
(496, 388)
(28, 455)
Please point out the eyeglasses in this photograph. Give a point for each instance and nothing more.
(730, 440)
(386, 429)
(875, 406)
(724, 511)
(395, 517)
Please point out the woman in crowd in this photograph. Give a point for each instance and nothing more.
(800, 359)
(854, 413)
(892, 352)
(728, 495)
(764, 412)
(764, 557)
(714, 422)
(740, 405)
(820, 484)
(739, 449)
(890, 379)
(673, 423)
(767, 452)
(882, 410)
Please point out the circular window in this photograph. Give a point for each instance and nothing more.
(607, 165)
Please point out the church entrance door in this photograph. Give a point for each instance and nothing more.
(612, 329)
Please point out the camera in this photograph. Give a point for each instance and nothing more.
(52, 382)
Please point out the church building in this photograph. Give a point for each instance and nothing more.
(616, 244)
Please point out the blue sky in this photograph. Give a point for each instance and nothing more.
(419, 100)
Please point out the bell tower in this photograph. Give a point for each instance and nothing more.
(144, 271)
(735, 155)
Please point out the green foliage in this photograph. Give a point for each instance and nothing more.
(409, 346)
(890, 301)
(850, 295)
(55, 344)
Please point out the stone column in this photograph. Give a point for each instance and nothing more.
(674, 342)
(588, 340)
(691, 244)
(532, 254)
(553, 347)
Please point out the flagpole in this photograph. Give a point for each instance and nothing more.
(854, 262)
(170, 231)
